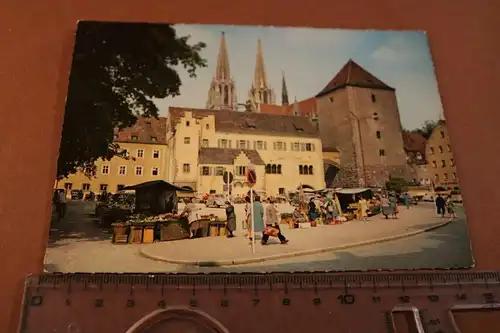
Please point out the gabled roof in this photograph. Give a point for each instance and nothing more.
(353, 74)
(145, 130)
(229, 121)
(226, 156)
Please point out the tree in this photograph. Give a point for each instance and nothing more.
(117, 69)
(427, 128)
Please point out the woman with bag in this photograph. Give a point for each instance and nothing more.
(272, 224)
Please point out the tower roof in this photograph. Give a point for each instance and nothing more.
(222, 71)
(284, 91)
(260, 76)
(353, 74)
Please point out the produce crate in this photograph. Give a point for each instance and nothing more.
(175, 230)
(120, 234)
(135, 235)
(217, 228)
(148, 234)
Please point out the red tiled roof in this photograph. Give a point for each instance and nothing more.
(145, 130)
(307, 107)
(353, 74)
(276, 109)
(414, 143)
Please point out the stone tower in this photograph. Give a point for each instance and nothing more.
(363, 113)
(284, 91)
(222, 91)
(261, 91)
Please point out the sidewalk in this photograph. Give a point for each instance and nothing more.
(222, 251)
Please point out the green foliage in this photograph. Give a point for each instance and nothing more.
(117, 69)
(397, 184)
(427, 128)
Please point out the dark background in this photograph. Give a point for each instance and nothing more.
(37, 42)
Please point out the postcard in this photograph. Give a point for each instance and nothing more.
(205, 148)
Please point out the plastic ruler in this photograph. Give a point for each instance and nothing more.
(280, 302)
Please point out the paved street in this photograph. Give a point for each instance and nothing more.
(76, 244)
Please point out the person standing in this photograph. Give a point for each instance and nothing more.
(272, 224)
(257, 218)
(363, 208)
(440, 205)
(450, 207)
(393, 204)
(190, 213)
(386, 208)
(312, 210)
(406, 200)
(60, 203)
(231, 219)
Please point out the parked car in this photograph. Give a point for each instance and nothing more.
(401, 200)
(76, 194)
(429, 197)
(216, 200)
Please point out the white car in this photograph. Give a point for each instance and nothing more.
(216, 200)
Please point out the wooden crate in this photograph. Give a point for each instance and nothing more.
(148, 234)
(175, 230)
(120, 239)
(135, 236)
(120, 234)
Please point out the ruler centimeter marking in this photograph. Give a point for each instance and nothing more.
(428, 301)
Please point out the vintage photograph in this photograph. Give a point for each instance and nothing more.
(212, 148)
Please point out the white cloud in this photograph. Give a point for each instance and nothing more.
(397, 49)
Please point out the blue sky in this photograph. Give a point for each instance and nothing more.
(310, 58)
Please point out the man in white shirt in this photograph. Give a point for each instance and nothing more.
(60, 203)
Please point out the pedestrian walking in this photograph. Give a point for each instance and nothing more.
(406, 200)
(248, 211)
(440, 205)
(258, 224)
(231, 219)
(386, 207)
(450, 207)
(272, 224)
(60, 203)
(363, 209)
(393, 204)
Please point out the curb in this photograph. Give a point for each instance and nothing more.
(218, 263)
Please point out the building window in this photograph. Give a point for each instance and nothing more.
(436, 177)
(309, 147)
(154, 171)
(331, 99)
(156, 154)
(295, 146)
(443, 163)
(454, 175)
(103, 187)
(153, 139)
(279, 145)
(431, 150)
(68, 186)
(305, 169)
(452, 162)
(374, 98)
(240, 170)
(204, 143)
(434, 165)
(140, 153)
(381, 152)
(442, 134)
(445, 176)
(186, 168)
(219, 171)
(134, 137)
(187, 140)
(138, 171)
(379, 135)
(273, 169)
(124, 152)
(205, 171)
(212, 191)
(86, 187)
(122, 170)
(448, 148)
(105, 169)
(259, 145)
(119, 187)
(281, 191)
(242, 144)
(207, 126)
(148, 124)
(440, 149)
(187, 123)
(223, 143)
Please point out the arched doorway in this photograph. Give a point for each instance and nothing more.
(177, 320)
(331, 171)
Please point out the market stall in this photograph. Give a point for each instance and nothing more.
(115, 207)
(349, 198)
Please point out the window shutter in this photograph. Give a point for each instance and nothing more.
(248, 144)
(312, 147)
(218, 143)
(237, 144)
(274, 145)
(228, 143)
(302, 146)
(201, 170)
(265, 145)
(209, 171)
(254, 145)
(284, 145)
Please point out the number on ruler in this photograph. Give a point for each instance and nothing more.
(317, 301)
(346, 299)
(286, 301)
(130, 303)
(193, 303)
(461, 297)
(404, 299)
(433, 298)
(376, 299)
(224, 303)
(99, 303)
(36, 301)
(255, 301)
(162, 304)
(489, 298)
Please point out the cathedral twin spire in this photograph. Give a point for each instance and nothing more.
(222, 92)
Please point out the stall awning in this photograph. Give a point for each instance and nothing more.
(352, 190)
(158, 183)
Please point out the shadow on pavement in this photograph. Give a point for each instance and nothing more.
(79, 224)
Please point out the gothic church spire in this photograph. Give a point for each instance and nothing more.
(261, 91)
(284, 91)
(222, 91)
